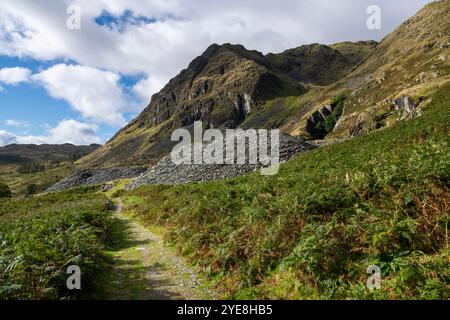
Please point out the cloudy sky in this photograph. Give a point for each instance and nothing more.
(60, 83)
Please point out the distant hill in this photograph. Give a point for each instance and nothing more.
(28, 168)
(30, 156)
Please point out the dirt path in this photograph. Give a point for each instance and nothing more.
(146, 269)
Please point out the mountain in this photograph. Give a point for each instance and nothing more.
(320, 64)
(29, 156)
(314, 91)
(227, 86)
(221, 87)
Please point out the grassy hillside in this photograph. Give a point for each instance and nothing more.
(42, 236)
(26, 154)
(31, 167)
(414, 60)
(320, 64)
(19, 182)
(312, 230)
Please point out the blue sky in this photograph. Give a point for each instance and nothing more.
(81, 85)
(28, 110)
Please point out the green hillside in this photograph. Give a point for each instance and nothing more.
(42, 236)
(33, 168)
(312, 230)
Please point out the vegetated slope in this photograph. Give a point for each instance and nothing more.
(37, 155)
(42, 236)
(32, 168)
(395, 81)
(220, 87)
(227, 86)
(26, 183)
(38, 165)
(313, 230)
(320, 64)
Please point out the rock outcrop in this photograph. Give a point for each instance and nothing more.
(406, 107)
(387, 113)
(95, 176)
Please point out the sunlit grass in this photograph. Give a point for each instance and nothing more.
(312, 230)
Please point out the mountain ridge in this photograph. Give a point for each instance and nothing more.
(33, 153)
(229, 86)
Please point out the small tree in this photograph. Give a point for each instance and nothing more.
(5, 191)
(31, 189)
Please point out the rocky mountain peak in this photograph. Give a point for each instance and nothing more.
(229, 86)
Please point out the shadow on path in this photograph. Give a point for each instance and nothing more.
(144, 268)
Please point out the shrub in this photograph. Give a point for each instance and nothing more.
(5, 192)
(31, 189)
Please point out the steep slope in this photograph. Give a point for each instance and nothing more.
(320, 64)
(228, 86)
(395, 81)
(221, 87)
(312, 91)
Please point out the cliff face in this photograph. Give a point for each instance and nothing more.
(229, 86)
(408, 65)
(220, 87)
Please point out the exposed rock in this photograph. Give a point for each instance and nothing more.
(387, 113)
(168, 173)
(95, 176)
(106, 187)
(406, 107)
(319, 116)
(324, 120)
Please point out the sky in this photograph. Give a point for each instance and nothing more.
(76, 71)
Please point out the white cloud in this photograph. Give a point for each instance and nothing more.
(74, 132)
(14, 75)
(94, 93)
(146, 87)
(7, 138)
(67, 131)
(183, 30)
(17, 123)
